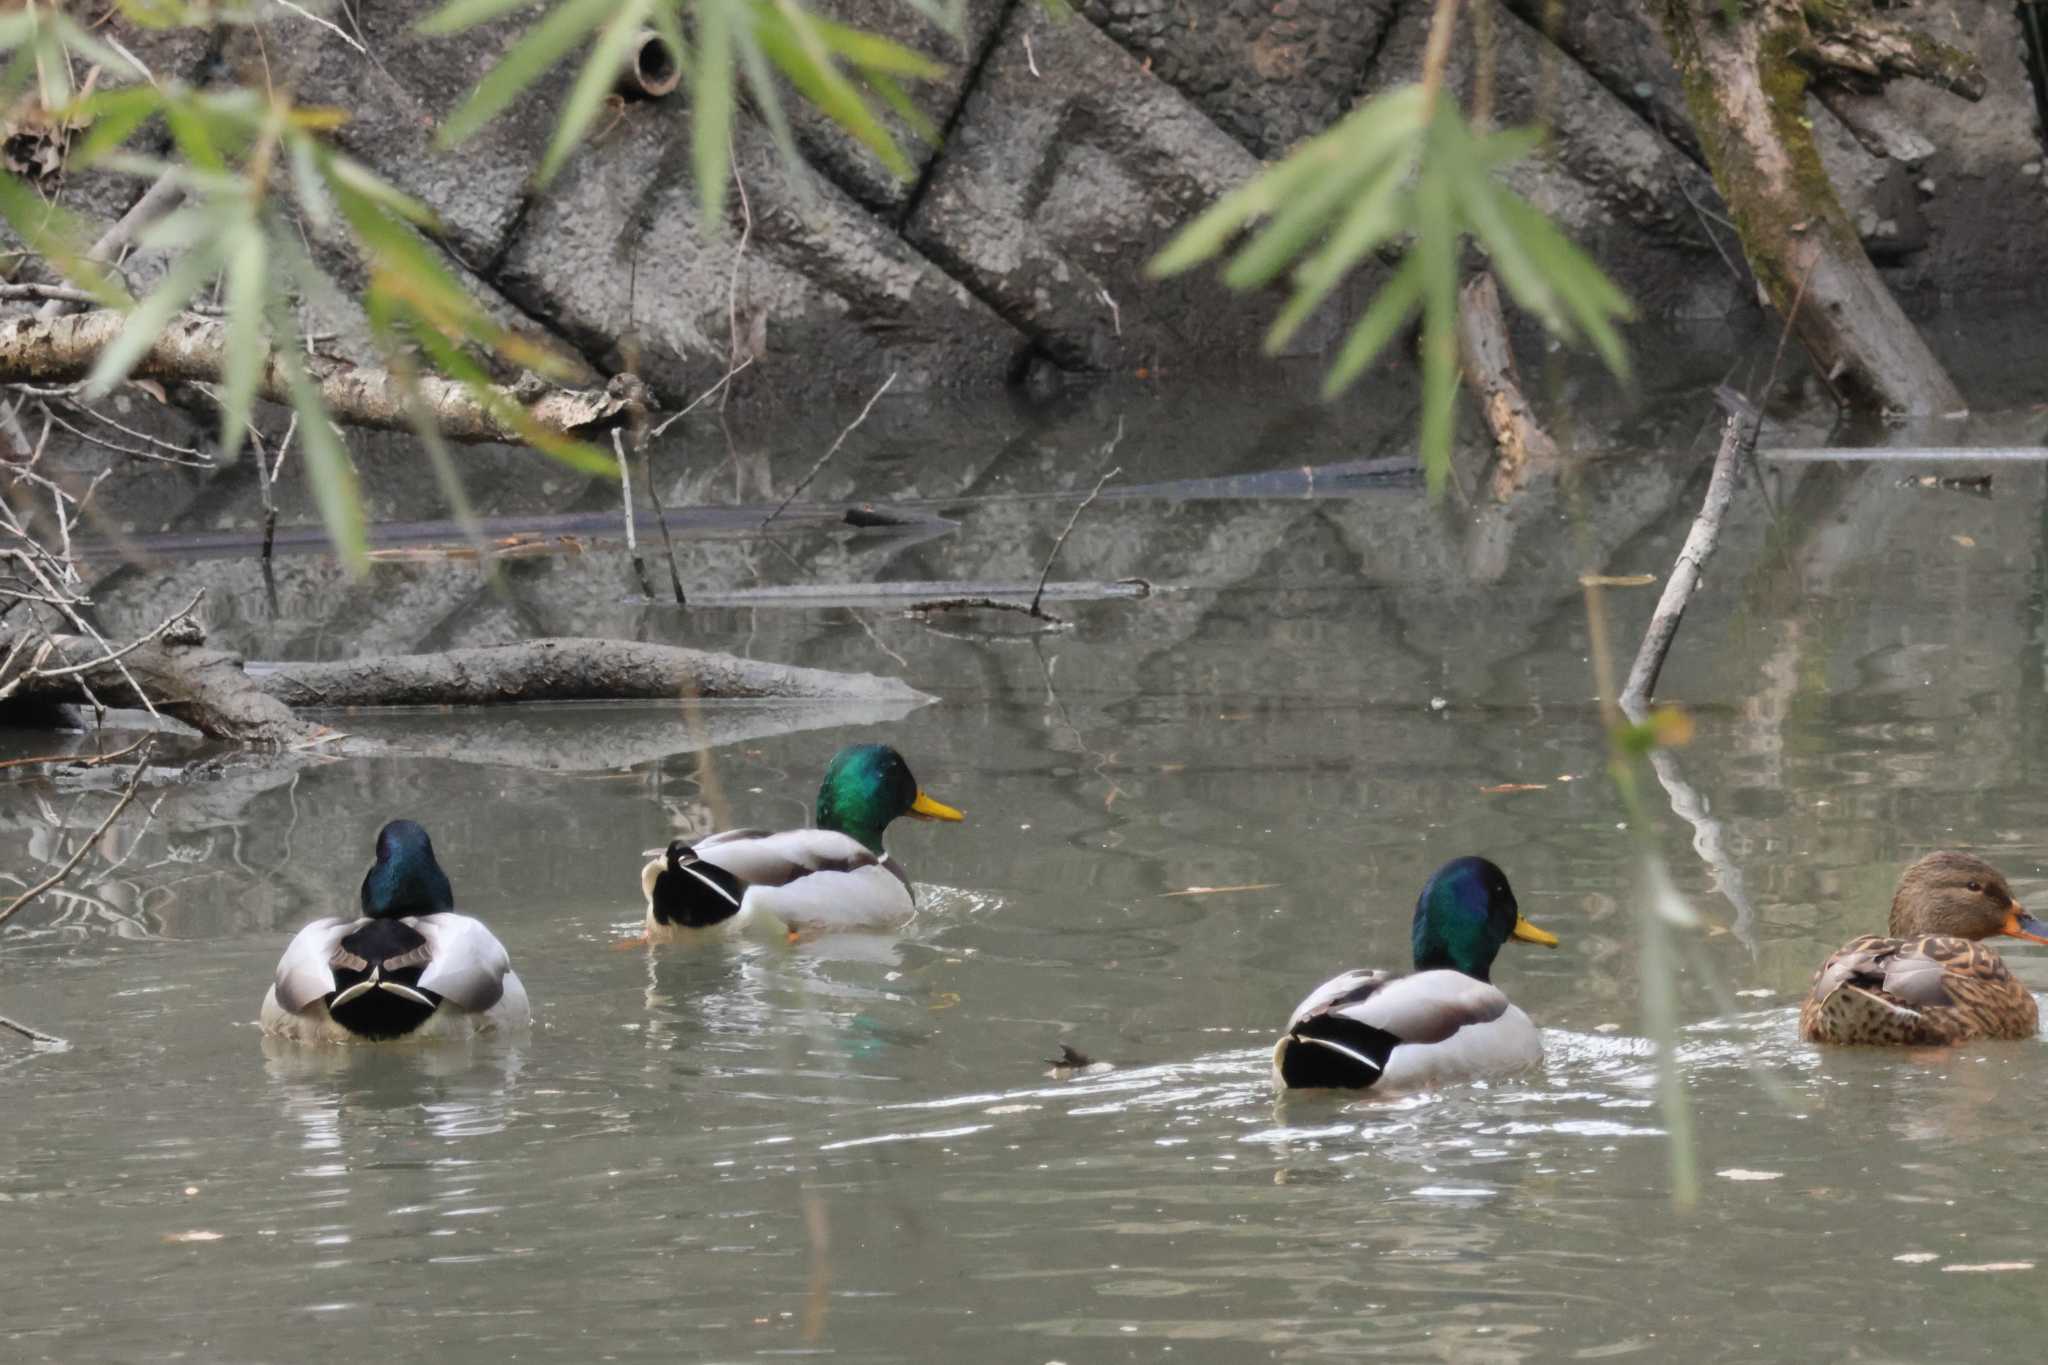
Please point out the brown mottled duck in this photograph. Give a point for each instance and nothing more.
(1930, 981)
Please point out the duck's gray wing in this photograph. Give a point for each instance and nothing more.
(306, 971)
(759, 859)
(466, 965)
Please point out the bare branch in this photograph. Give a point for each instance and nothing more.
(805, 481)
(1060, 544)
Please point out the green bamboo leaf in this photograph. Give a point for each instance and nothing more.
(1436, 253)
(1374, 217)
(307, 188)
(790, 39)
(18, 27)
(193, 138)
(187, 275)
(56, 234)
(1390, 308)
(1395, 117)
(452, 362)
(1293, 228)
(1366, 149)
(1506, 146)
(768, 99)
(360, 179)
(247, 350)
(114, 116)
(457, 15)
(79, 41)
(1592, 298)
(897, 98)
(543, 45)
(586, 97)
(1523, 277)
(335, 491)
(711, 107)
(871, 52)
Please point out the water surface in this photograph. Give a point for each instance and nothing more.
(854, 1147)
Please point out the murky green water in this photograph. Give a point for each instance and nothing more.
(853, 1147)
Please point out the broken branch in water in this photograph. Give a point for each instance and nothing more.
(1738, 439)
(193, 349)
(1489, 364)
(127, 795)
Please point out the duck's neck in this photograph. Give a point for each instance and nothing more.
(854, 812)
(1448, 936)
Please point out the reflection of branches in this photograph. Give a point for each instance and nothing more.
(91, 840)
(1707, 841)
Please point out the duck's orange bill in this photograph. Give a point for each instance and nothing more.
(2020, 924)
(1529, 933)
(939, 810)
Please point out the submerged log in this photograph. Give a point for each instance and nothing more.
(62, 350)
(1747, 72)
(218, 695)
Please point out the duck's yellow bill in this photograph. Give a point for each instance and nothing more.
(1529, 933)
(934, 810)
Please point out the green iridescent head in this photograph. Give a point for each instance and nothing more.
(405, 879)
(868, 785)
(1464, 915)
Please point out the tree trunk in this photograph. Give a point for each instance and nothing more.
(1746, 83)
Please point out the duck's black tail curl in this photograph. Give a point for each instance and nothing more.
(1329, 1050)
(693, 893)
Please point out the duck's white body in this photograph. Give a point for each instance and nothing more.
(1411, 1032)
(466, 967)
(794, 880)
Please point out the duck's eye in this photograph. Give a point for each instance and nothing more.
(1976, 886)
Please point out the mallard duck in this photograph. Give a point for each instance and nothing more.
(1444, 1022)
(410, 967)
(1929, 982)
(833, 876)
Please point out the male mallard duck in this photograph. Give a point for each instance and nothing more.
(409, 968)
(833, 876)
(1445, 1022)
(1929, 982)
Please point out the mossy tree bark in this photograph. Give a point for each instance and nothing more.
(1748, 66)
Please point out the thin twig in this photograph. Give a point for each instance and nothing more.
(699, 400)
(1059, 544)
(63, 293)
(805, 482)
(134, 782)
(327, 24)
(1436, 55)
(739, 256)
(74, 760)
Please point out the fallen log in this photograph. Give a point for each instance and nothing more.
(220, 696)
(62, 350)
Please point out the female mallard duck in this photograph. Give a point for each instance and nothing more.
(1445, 1022)
(1929, 982)
(409, 968)
(833, 876)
